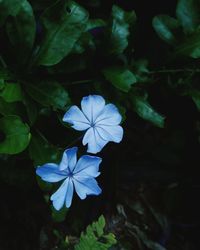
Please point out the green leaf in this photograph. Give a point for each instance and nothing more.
(7, 8)
(64, 22)
(21, 30)
(188, 13)
(122, 21)
(95, 23)
(49, 94)
(145, 111)
(166, 27)
(121, 78)
(11, 92)
(94, 238)
(16, 133)
(41, 151)
(10, 108)
(190, 46)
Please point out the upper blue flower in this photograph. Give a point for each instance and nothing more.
(101, 122)
(79, 175)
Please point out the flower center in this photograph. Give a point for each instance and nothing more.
(70, 174)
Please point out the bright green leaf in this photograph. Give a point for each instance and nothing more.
(94, 238)
(64, 22)
(16, 133)
(166, 27)
(188, 13)
(121, 78)
(49, 94)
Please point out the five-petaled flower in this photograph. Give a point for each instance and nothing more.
(100, 120)
(77, 174)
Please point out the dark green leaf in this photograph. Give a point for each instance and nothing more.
(121, 78)
(188, 13)
(122, 21)
(14, 108)
(11, 92)
(8, 7)
(145, 111)
(49, 94)
(17, 135)
(166, 26)
(190, 46)
(41, 151)
(21, 29)
(64, 22)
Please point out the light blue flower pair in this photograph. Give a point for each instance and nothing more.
(102, 124)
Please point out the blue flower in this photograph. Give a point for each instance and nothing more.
(101, 122)
(79, 175)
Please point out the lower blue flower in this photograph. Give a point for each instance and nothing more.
(79, 175)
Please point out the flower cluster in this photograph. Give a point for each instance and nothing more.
(101, 122)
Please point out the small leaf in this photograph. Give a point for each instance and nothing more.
(11, 92)
(166, 26)
(64, 22)
(94, 238)
(145, 111)
(188, 13)
(121, 78)
(122, 21)
(49, 94)
(17, 135)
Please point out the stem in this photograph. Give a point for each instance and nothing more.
(166, 71)
(74, 141)
(81, 81)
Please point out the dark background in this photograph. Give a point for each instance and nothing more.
(152, 175)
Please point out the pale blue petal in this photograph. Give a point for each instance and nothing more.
(63, 195)
(76, 117)
(109, 116)
(111, 133)
(92, 106)
(50, 172)
(87, 166)
(86, 186)
(94, 140)
(69, 159)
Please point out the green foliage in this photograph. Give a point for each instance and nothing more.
(11, 92)
(49, 94)
(21, 30)
(64, 22)
(188, 13)
(166, 27)
(121, 78)
(145, 111)
(121, 23)
(7, 8)
(188, 17)
(17, 135)
(94, 238)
